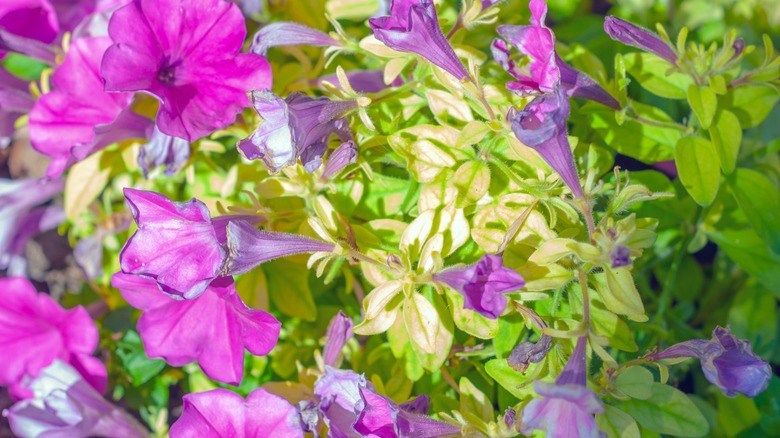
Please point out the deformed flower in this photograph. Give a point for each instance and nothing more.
(529, 352)
(636, 36)
(176, 244)
(285, 33)
(64, 405)
(296, 127)
(223, 413)
(413, 27)
(35, 331)
(483, 284)
(541, 125)
(339, 332)
(212, 329)
(186, 54)
(567, 406)
(727, 361)
(163, 149)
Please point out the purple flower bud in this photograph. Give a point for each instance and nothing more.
(727, 361)
(10, 42)
(250, 247)
(541, 125)
(567, 406)
(739, 47)
(296, 127)
(621, 256)
(163, 149)
(418, 405)
(175, 245)
(339, 332)
(487, 4)
(340, 158)
(639, 37)
(529, 352)
(223, 413)
(413, 27)
(510, 418)
(15, 101)
(66, 405)
(286, 33)
(362, 81)
(483, 284)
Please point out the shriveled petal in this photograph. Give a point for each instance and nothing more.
(164, 150)
(273, 140)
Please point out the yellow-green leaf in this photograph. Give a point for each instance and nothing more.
(699, 168)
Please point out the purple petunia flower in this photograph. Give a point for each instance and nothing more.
(186, 54)
(339, 332)
(546, 70)
(413, 27)
(212, 329)
(21, 218)
(727, 361)
(64, 405)
(250, 247)
(567, 406)
(296, 127)
(176, 244)
(285, 33)
(483, 284)
(77, 118)
(636, 36)
(541, 125)
(163, 149)
(35, 330)
(222, 413)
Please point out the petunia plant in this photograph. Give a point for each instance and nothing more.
(401, 218)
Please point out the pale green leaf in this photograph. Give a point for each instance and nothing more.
(699, 168)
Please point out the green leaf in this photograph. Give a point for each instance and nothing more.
(636, 382)
(422, 322)
(753, 316)
(135, 361)
(516, 383)
(750, 252)
(726, 136)
(699, 168)
(470, 321)
(509, 329)
(618, 293)
(668, 411)
(288, 286)
(474, 402)
(704, 103)
(654, 74)
(472, 180)
(617, 424)
(751, 103)
(759, 198)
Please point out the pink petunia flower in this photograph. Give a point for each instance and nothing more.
(222, 413)
(35, 330)
(212, 329)
(186, 54)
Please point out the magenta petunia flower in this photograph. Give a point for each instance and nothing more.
(285, 33)
(296, 127)
(77, 118)
(541, 125)
(546, 70)
(222, 413)
(176, 244)
(64, 405)
(33, 19)
(727, 361)
(413, 27)
(186, 54)
(483, 284)
(567, 406)
(35, 330)
(212, 329)
(636, 36)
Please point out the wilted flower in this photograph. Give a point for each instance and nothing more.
(529, 352)
(66, 406)
(176, 244)
(413, 27)
(636, 36)
(296, 127)
(567, 406)
(727, 361)
(35, 331)
(541, 125)
(547, 71)
(212, 329)
(20, 219)
(285, 33)
(339, 332)
(163, 149)
(250, 247)
(77, 118)
(186, 54)
(483, 284)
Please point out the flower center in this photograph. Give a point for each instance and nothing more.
(167, 74)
